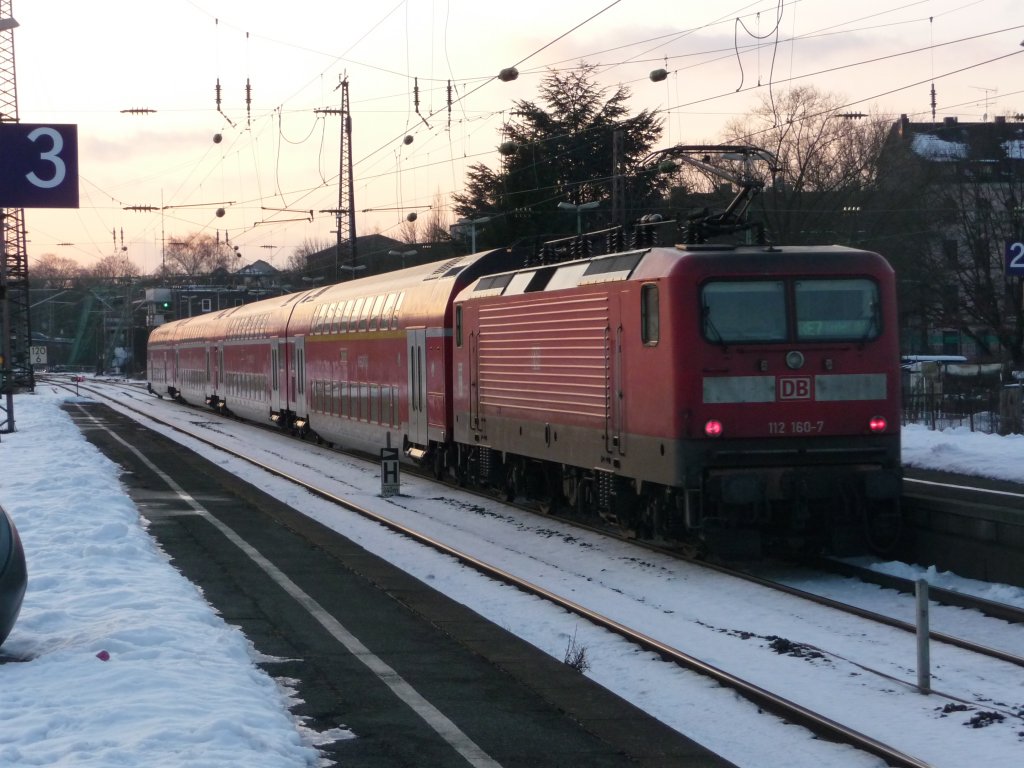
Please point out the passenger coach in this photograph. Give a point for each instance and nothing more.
(353, 363)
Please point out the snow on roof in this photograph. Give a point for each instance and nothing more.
(1014, 149)
(932, 147)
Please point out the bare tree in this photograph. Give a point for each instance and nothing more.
(828, 163)
(113, 268)
(408, 231)
(980, 213)
(299, 260)
(196, 254)
(438, 224)
(53, 271)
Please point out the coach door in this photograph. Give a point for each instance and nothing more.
(298, 373)
(416, 346)
(277, 399)
(216, 358)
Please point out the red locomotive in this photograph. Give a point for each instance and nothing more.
(709, 393)
(730, 397)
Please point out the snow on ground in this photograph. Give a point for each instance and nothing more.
(105, 672)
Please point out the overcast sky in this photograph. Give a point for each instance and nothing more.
(84, 63)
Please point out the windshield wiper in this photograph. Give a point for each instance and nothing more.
(709, 325)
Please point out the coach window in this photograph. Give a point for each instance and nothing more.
(398, 308)
(344, 316)
(375, 403)
(388, 311)
(364, 315)
(378, 306)
(338, 318)
(650, 324)
(357, 308)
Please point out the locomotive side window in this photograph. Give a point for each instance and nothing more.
(650, 325)
(458, 325)
(837, 309)
(744, 311)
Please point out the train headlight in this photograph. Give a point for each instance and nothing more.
(713, 428)
(878, 424)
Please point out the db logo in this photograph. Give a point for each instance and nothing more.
(795, 388)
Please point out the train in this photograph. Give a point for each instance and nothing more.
(729, 398)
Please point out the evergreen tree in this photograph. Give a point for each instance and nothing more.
(561, 150)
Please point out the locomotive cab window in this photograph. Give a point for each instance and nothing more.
(832, 309)
(744, 311)
(650, 326)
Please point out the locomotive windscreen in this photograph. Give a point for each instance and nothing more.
(745, 311)
(836, 309)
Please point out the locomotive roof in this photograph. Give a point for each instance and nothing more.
(652, 263)
(464, 267)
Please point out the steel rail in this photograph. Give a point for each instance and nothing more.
(780, 706)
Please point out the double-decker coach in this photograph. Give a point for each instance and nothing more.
(356, 363)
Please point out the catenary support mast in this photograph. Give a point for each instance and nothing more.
(14, 274)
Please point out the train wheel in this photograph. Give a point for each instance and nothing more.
(883, 526)
(549, 492)
(514, 479)
(571, 489)
(578, 492)
(439, 462)
(693, 548)
(654, 520)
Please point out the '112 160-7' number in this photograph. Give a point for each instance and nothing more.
(796, 427)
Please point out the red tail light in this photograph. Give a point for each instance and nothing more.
(713, 428)
(878, 424)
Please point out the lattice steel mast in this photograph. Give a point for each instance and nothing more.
(12, 223)
(345, 213)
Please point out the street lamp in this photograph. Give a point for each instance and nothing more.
(472, 224)
(579, 211)
(409, 253)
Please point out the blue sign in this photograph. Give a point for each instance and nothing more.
(1014, 258)
(38, 166)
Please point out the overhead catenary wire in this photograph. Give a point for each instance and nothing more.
(410, 163)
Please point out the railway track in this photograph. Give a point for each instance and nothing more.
(782, 707)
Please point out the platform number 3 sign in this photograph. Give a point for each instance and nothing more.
(38, 166)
